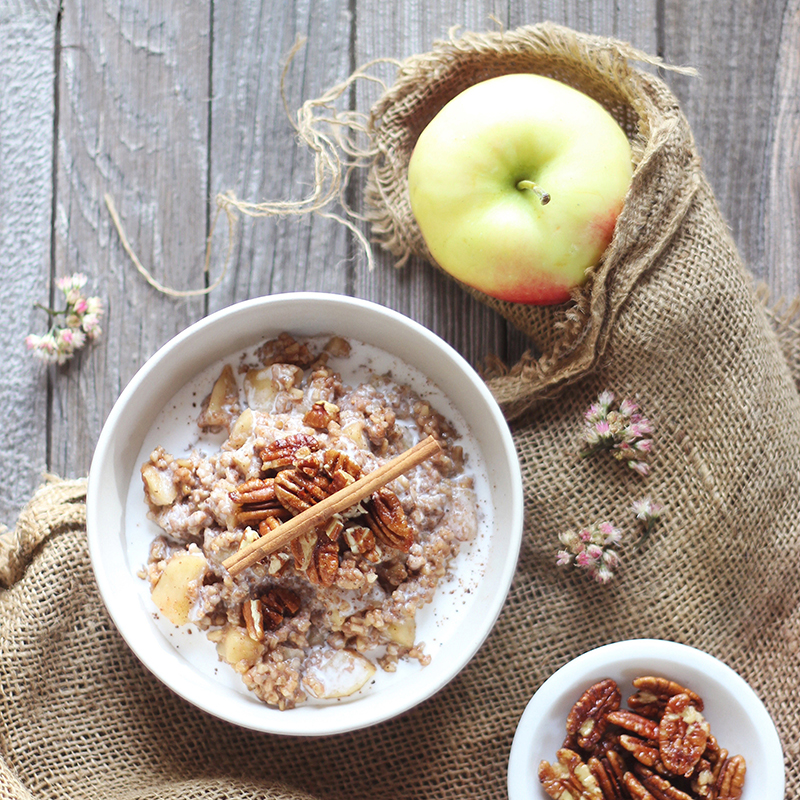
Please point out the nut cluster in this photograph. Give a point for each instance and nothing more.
(659, 748)
(300, 472)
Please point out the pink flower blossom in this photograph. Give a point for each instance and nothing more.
(81, 323)
(592, 550)
(623, 431)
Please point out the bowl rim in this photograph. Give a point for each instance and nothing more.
(180, 678)
(594, 661)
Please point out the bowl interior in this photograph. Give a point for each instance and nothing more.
(458, 620)
(737, 717)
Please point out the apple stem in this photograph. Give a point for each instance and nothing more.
(542, 194)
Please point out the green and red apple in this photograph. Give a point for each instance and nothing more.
(516, 185)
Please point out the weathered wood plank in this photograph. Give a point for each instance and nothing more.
(133, 122)
(254, 151)
(781, 227)
(26, 134)
(737, 50)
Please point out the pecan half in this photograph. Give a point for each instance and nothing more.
(643, 752)
(297, 491)
(325, 563)
(730, 782)
(605, 777)
(586, 721)
(282, 452)
(569, 778)
(635, 723)
(653, 694)
(387, 520)
(635, 790)
(659, 787)
(267, 612)
(682, 735)
(256, 500)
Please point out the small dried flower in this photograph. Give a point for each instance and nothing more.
(592, 549)
(649, 513)
(624, 431)
(81, 323)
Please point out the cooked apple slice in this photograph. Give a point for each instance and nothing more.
(336, 673)
(235, 645)
(403, 632)
(177, 587)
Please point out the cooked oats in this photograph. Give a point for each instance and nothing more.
(312, 620)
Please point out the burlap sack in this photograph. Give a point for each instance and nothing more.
(670, 320)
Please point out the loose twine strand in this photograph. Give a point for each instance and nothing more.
(332, 136)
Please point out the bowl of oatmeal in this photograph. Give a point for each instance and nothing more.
(250, 420)
(647, 713)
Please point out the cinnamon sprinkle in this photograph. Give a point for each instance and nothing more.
(335, 504)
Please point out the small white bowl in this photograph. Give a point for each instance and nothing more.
(453, 626)
(738, 719)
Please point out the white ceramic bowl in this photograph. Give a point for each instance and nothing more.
(453, 626)
(737, 717)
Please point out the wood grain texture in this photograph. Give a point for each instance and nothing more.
(731, 106)
(254, 151)
(26, 168)
(781, 228)
(133, 122)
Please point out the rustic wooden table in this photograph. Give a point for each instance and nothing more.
(165, 103)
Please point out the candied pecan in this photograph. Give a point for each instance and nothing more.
(616, 763)
(605, 777)
(387, 520)
(297, 491)
(569, 778)
(321, 414)
(268, 611)
(653, 693)
(361, 542)
(586, 720)
(635, 723)
(682, 735)
(253, 619)
(325, 563)
(286, 350)
(702, 780)
(272, 519)
(643, 752)
(282, 452)
(336, 461)
(256, 500)
(730, 782)
(254, 491)
(302, 548)
(634, 788)
(659, 787)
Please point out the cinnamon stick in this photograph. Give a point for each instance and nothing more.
(336, 503)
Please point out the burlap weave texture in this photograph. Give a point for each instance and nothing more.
(671, 320)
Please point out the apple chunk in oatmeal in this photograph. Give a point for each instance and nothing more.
(314, 619)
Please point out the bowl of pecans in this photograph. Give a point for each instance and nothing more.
(646, 718)
(304, 514)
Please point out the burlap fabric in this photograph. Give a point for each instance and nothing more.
(670, 320)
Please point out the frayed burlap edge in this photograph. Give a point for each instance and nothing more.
(57, 505)
(667, 175)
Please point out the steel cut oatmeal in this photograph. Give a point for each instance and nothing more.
(311, 621)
